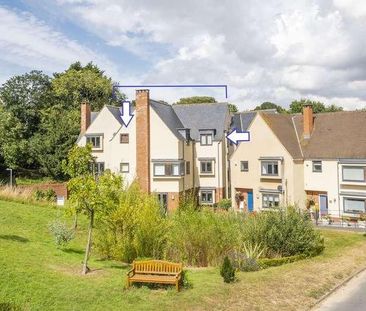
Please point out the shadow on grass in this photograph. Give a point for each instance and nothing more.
(73, 251)
(8, 306)
(12, 237)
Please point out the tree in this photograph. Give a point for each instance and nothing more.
(318, 107)
(90, 195)
(233, 108)
(196, 100)
(55, 138)
(23, 97)
(79, 83)
(78, 161)
(269, 105)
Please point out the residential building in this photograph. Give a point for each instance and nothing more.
(301, 159)
(168, 149)
(266, 171)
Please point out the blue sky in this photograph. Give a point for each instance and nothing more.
(277, 50)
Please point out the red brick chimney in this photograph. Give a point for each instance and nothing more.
(308, 120)
(85, 117)
(143, 139)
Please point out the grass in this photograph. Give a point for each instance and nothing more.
(33, 181)
(35, 275)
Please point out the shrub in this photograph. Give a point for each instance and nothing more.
(62, 234)
(283, 233)
(265, 263)
(227, 271)
(249, 265)
(133, 227)
(224, 204)
(201, 238)
(48, 195)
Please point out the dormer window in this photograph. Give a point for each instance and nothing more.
(206, 136)
(96, 141)
(206, 139)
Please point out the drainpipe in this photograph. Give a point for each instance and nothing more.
(218, 165)
(339, 202)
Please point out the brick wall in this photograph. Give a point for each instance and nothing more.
(143, 139)
(59, 188)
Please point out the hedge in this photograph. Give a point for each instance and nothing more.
(265, 263)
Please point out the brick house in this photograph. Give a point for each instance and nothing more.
(167, 149)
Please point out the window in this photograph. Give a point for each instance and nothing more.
(244, 167)
(351, 205)
(206, 139)
(95, 141)
(317, 166)
(270, 200)
(124, 138)
(206, 167)
(97, 168)
(270, 168)
(125, 167)
(207, 196)
(168, 169)
(353, 173)
(163, 201)
(188, 167)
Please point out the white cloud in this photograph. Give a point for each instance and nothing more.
(27, 42)
(264, 50)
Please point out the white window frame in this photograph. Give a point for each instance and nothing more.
(124, 164)
(317, 166)
(204, 163)
(97, 168)
(204, 193)
(354, 199)
(175, 169)
(206, 139)
(270, 197)
(90, 138)
(353, 167)
(269, 163)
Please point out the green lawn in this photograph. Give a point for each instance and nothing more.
(35, 275)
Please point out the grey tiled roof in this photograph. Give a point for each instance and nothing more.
(203, 116)
(93, 116)
(241, 121)
(169, 117)
(115, 112)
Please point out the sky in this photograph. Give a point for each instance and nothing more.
(272, 50)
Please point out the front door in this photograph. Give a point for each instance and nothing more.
(250, 202)
(323, 204)
(163, 200)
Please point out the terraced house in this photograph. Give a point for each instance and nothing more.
(301, 159)
(167, 149)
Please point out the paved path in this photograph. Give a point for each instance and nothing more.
(351, 297)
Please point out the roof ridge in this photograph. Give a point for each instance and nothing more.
(220, 103)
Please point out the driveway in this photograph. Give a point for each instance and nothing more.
(351, 297)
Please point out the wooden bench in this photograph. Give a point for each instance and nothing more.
(155, 271)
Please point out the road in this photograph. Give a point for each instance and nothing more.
(351, 297)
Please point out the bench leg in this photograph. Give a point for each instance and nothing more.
(177, 286)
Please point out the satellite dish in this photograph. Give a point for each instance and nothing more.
(279, 188)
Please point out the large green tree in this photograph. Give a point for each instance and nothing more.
(23, 97)
(318, 107)
(269, 105)
(79, 83)
(204, 100)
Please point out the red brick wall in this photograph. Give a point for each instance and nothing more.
(143, 139)
(59, 188)
(85, 117)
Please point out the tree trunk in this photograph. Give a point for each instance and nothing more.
(76, 221)
(88, 245)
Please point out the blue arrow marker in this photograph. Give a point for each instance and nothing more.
(234, 136)
(126, 115)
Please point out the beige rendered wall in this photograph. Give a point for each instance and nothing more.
(264, 143)
(325, 181)
(114, 152)
(164, 145)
